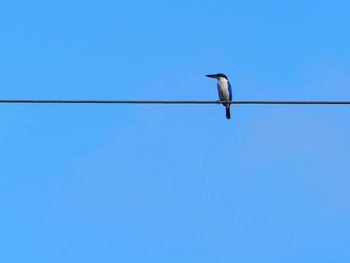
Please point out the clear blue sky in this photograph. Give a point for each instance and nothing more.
(174, 183)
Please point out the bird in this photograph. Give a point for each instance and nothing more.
(224, 90)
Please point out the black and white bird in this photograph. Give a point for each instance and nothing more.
(224, 90)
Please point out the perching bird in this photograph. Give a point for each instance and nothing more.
(224, 90)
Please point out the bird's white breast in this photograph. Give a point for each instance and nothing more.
(223, 90)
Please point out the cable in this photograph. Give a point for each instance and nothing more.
(173, 102)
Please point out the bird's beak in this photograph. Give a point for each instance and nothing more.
(212, 76)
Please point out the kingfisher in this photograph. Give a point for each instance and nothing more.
(224, 90)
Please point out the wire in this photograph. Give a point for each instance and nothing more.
(173, 102)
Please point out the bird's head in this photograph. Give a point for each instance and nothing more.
(217, 76)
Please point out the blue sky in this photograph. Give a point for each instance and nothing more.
(174, 183)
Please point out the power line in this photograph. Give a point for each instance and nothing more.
(172, 102)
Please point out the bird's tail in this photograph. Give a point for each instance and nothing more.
(228, 112)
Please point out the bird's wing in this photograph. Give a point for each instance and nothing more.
(230, 90)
